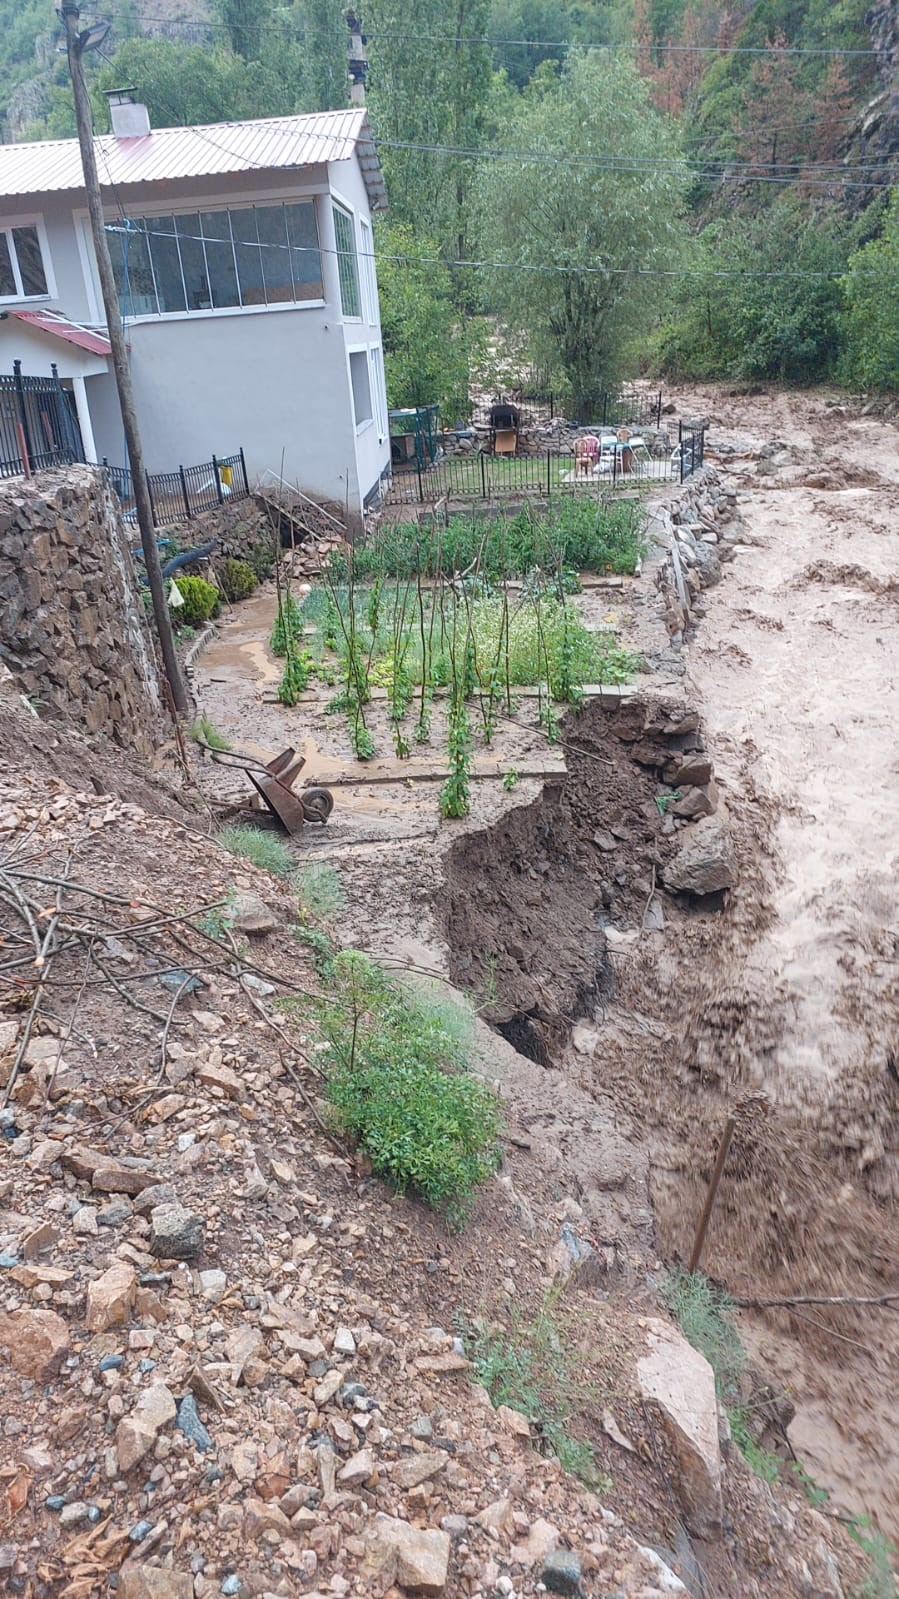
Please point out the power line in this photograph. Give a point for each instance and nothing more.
(532, 44)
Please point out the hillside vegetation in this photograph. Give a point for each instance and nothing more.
(693, 188)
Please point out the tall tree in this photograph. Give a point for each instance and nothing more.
(582, 235)
(247, 22)
(429, 85)
(326, 43)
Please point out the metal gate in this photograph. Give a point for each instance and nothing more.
(38, 423)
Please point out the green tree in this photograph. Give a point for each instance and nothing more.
(764, 299)
(430, 89)
(428, 346)
(326, 48)
(538, 29)
(179, 83)
(871, 320)
(247, 22)
(583, 239)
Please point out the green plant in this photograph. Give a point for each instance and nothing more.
(532, 1367)
(319, 890)
(266, 850)
(295, 677)
(320, 948)
(814, 1493)
(664, 800)
(454, 795)
(398, 1084)
(205, 732)
(703, 1313)
(219, 919)
(237, 579)
(511, 779)
(288, 624)
(199, 601)
(880, 1580)
(360, 738)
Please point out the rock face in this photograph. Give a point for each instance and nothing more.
(37, 1342)
(70, 614)
(705, 861)
(417, 1560)
(679, 1383)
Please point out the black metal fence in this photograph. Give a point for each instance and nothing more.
(613, 408)
(185, 493)
(38, 423)
(691, 445)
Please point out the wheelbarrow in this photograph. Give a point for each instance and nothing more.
(273, 782)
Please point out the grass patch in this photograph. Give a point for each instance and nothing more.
(205, 732)
(398, 1084)
(880, 1580)
(319, 891)
(533, 1367)
(266, 850)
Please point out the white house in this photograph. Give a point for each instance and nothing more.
(244, 259)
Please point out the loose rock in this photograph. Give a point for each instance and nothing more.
(176, 1233)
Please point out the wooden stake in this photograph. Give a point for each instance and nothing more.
(714, 1180)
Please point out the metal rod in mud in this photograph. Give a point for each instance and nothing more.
(714, 1180)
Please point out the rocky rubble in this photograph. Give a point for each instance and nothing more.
(228, 1357)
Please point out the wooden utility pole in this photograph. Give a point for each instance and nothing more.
(69, 14)
(714, 1180)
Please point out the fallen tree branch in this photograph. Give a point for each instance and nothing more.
(884, 1300)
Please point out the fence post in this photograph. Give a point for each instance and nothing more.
(552, 406)
(604, 400)
(23, 415)
(483, 476)
(549, 474)
(421, 487)
(218, 481)
(184, 492)
(680, 449)
(150, 498)
(615, 465)
(243, 468)
(659, 410)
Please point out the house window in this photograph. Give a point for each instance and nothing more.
(22, 274)
(369, 281)
(346, 262)
(361, 387)
(377, 383)
(215, 260)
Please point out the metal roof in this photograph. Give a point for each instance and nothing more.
(55, 323)
(52, 165)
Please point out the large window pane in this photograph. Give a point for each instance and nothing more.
(275, 254)
(361, 386)
(166, 263)
(138, 271)
(31, 266)
(7, 279)
(346, 262)
(193, 263)
(367, 263)
(215, 227)
(249, 257)
(302, 231)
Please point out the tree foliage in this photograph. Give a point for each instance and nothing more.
(871, 322)
(429, 346)
(610, 229)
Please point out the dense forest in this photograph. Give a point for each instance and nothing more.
(583, 188)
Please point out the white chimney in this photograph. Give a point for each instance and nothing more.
(130, 119)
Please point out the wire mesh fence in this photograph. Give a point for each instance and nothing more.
(180, 495)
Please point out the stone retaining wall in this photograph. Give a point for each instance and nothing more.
(73, 630)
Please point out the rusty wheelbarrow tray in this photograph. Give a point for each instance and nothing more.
(273, 781)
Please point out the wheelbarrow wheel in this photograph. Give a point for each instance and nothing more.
(318, 803)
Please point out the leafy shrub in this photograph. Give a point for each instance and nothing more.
(200, 601)
(266, 850)
(703, 1314)
(398, 1084)
(288, 625)
(237, 579)
(262, 560)
(871, 319)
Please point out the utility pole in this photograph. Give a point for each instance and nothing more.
(75, 44)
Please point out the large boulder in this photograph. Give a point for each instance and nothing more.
(36, 1342)
(678, 1383)
(705, 861)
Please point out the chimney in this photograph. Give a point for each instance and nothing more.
(130, 119)
(358, 62)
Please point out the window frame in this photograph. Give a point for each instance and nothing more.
(235, 202)
(8, 226)
(366, 255)
(368, 421)
(341, 208)
(378, 380)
